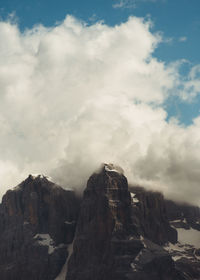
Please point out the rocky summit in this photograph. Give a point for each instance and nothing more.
(37, 222)
(114, 232)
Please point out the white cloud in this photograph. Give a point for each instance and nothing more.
(187, 87)
(129, 4)
(74, 96)
(183, 39)
(124, 4)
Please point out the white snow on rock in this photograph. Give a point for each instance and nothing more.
(174, 247)
(176, 221)
(133, 266)
(134, 199)
(41, 176)
(179, 251)
(179, 221)
(45, 240)
(63, 273)
(143, 241)
(33, 176)
(190, 236)
(113, 168)
(176, 258)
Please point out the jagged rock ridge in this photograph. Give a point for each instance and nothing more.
(118, 233)
(37, 222)
(109, 242)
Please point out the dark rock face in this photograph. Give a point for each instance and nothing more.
(186, 220)
(150, 216)
(116, 234)
(108, 242)
(37, 222)
(181, 211)
(103, 227)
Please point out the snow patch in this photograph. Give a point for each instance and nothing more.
(133, 266)
(179, 251)
(45, 240)
(63, 273)
(113, 168)
(185, 256)
(41, 176)
(174, 247)
(33, 176)
(176, 221)
(143, 241)
(179, 221)
(134, 199)
(176, 258)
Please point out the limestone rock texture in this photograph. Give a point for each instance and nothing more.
(149, 214)
(37, 222)
(113, 232)
(109, 243)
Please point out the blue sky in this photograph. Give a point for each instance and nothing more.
(175, 20)
(179, 22)
(86, 82)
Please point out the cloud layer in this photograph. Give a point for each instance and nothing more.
(74, 96)
(130, 4)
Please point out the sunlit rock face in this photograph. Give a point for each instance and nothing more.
(108, 242)
(37, 223)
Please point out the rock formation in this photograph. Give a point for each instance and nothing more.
(117, 233)
(149, 214)
(109, 243)
(37, 222)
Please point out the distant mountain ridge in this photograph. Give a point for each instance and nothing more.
(114, 232)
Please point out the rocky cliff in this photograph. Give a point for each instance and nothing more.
(117, 233)
(149, 213)
(111, 240)
(37, 222)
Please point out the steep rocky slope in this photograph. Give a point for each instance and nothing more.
(37, 222)
(186, 252)
(117, 233)
(111, 239)
(149, 213)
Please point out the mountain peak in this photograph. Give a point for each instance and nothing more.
(39, 176)
(37, 222)
(110, 167)
(114, 231)
(38, 179)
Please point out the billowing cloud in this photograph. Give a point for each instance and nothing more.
(74, 96)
